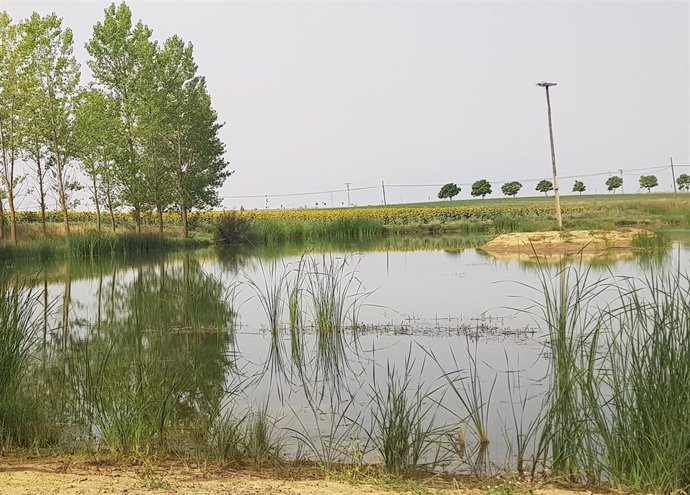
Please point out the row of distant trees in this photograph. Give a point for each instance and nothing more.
(482, 188)
(142, 135)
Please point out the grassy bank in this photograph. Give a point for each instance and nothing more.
(91, 244)
(489, 217)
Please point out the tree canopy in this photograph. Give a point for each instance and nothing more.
(579, 187)
(648, 182)
(614, 182)
(449, 191)
(544, 186)
(143, 135)
(481, 188)
(683, 182)
(511, 188)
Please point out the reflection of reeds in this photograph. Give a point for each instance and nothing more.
(269, 292)
(334, 293)
(24, 421)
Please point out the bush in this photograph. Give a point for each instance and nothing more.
(233, 228)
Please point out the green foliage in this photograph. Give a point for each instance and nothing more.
(683, 182)
(511, 188)
(579, 187)
(402, 424)
(614, 182)
(271, 231)
(648, 182)
(481, 188)
(234, 229)
(544, 186)
(449, 191)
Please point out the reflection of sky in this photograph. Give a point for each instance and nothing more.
(426, 294)
(416, 290)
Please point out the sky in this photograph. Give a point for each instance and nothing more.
(317, 94)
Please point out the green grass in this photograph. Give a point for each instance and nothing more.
(272, 231)
(619, 380)
(91, 244)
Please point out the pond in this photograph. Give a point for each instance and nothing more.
(320, 339)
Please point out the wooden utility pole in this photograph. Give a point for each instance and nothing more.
(673, 173)
(557, 194)
(383, 188)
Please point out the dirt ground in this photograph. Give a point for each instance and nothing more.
(559, 243)
(43, 477)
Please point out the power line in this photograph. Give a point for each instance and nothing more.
(365, 188)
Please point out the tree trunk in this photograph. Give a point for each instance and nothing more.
(13, 216)
(58, 163)
(183, 206)
(2, 221)
(8, 175)
(95, 202)
(109, 200)
(41, 191)
(159, 209)
(137, 218)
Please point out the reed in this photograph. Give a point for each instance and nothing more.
(403, 416)
(466, 386)
(24, 421)
(274, 230)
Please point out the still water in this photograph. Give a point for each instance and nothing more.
(433, 311)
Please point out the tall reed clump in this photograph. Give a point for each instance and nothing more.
(650, 242)
(272, 231)
(567, 313)
(334, 294)
(466, 386)
(619, 380)
(23, 421)
(639, 394)
(251, 438)
(403, 416)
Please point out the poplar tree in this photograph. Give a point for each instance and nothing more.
(97, 144)
(54, 75)
(190, 124)
(12, 96)
(122, 56)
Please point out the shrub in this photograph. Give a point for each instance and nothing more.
(233, 228)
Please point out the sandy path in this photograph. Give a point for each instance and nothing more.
(43, 477)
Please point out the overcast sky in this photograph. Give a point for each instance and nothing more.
(316, 94)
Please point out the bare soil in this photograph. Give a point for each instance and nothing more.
(67, 476)
(560, 243)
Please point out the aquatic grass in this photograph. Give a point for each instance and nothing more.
(24, 421)
(650, 242)
(294, 288)
(638, 392)
(260, 443)
(339, 442)
(403, 417)
(334, 294)
(270, 293)
(569, 314)
(281, 230)
(466, 386)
